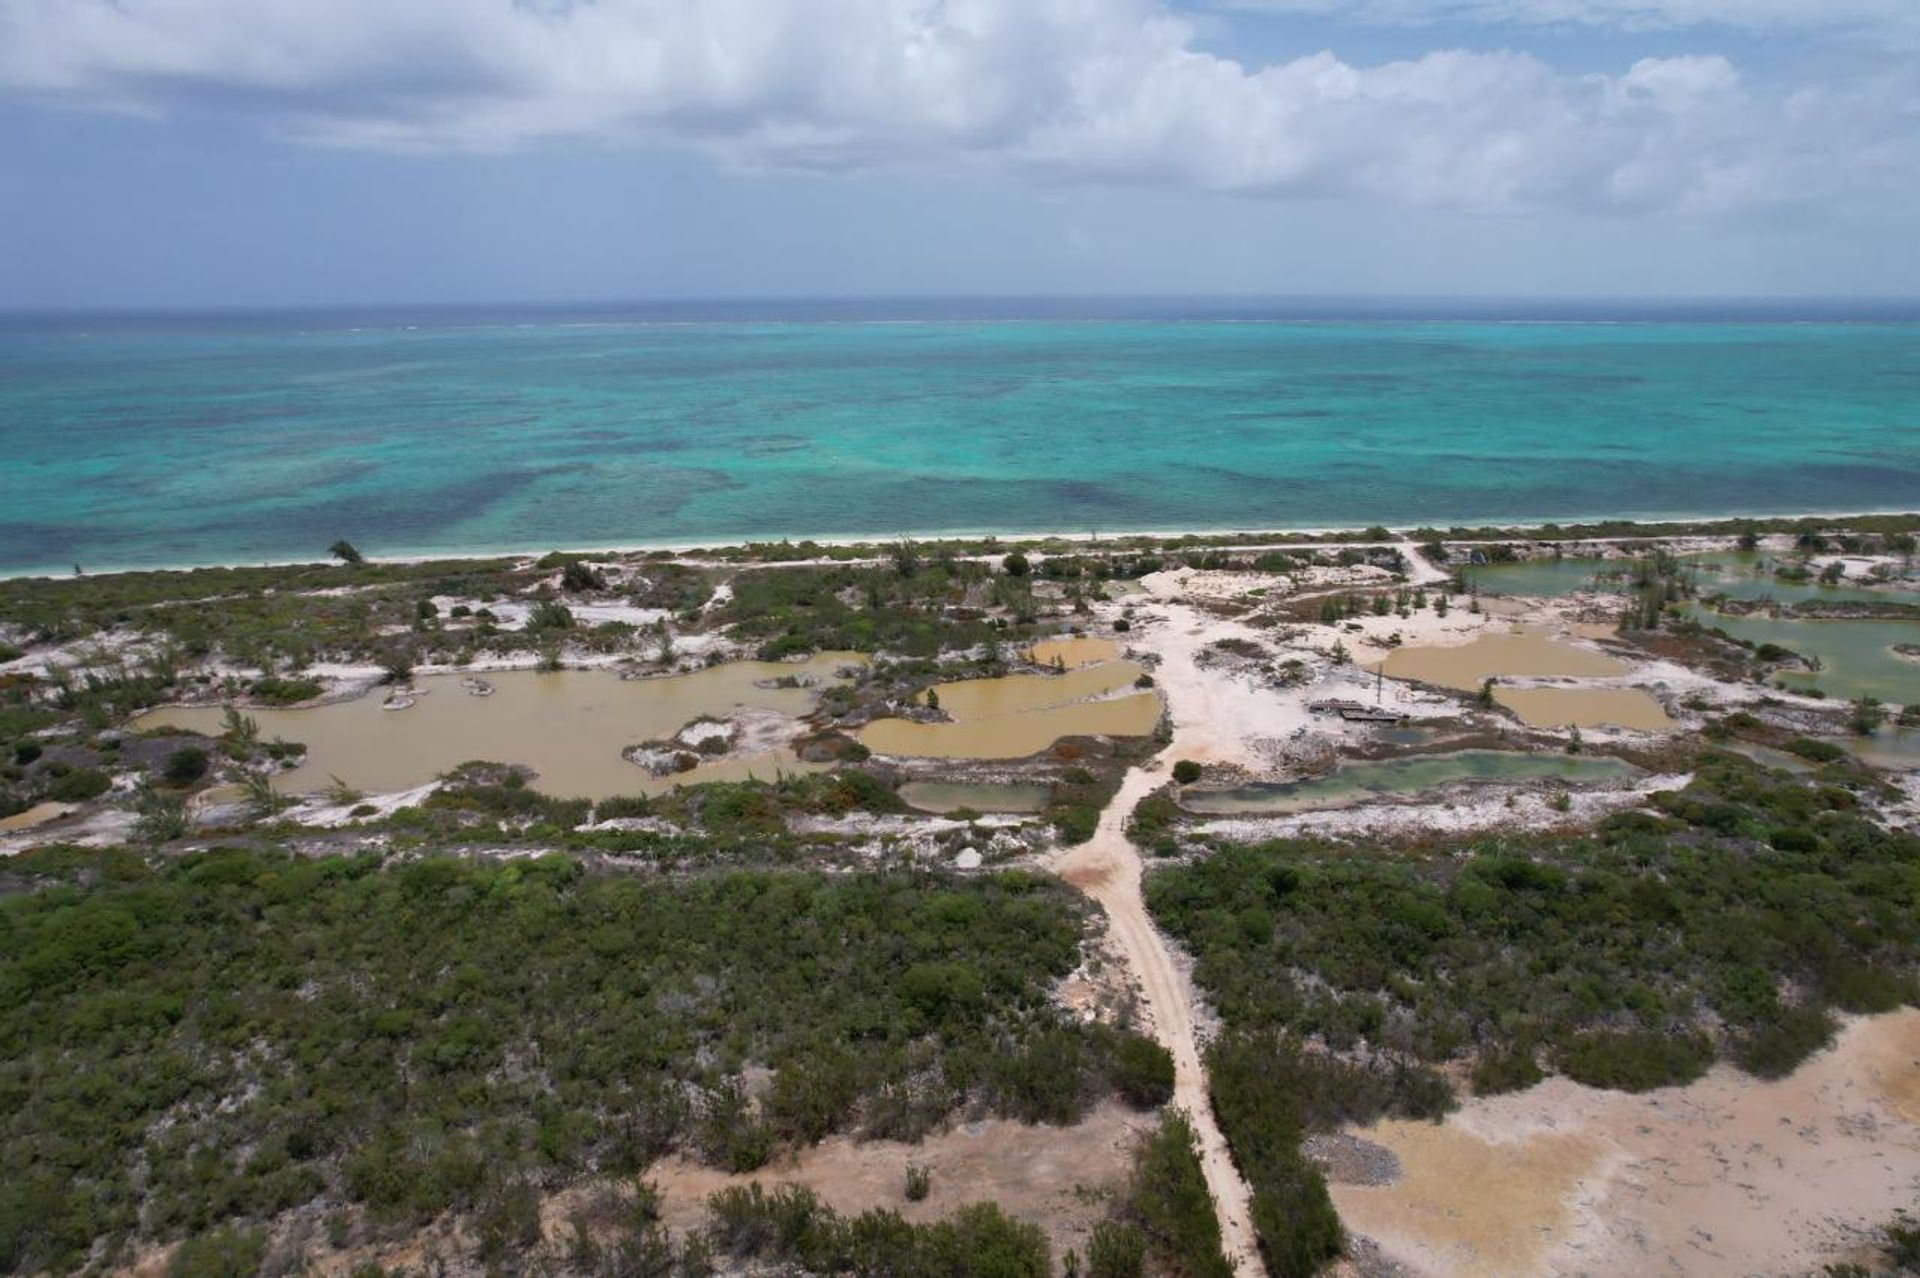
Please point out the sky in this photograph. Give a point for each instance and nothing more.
(193, 153)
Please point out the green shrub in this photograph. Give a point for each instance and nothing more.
(1168, 1203)
(1508, 1070)
(1186, 772)
(282, 691)
(1116, 1249)
(186, 765)
(79, 785)
(1142, 1071)
(1774, 1047)
(220, 1253)
(1635, 1060)
(1816, 750)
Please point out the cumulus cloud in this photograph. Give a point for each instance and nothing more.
(1107, 90)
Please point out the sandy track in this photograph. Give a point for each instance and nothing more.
(1107, 868)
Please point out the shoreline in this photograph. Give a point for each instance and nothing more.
(1081, 537)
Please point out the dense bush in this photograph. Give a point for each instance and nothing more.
(1751, 881)
(1166, 1211)
(1142, 1071)
(235, 1034)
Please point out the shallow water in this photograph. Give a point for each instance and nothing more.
(1893, 748)
(1357, 783)
(1467, 666)
(1856, 657)
(1585, 708)
(569, 726)
(1766, 756)
(1017, 694)
(974, 796)
(247, 437)
(1749, 575)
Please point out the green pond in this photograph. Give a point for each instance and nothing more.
(942, 797)
(1735, 574)
(1356, 783)
(1551, 578)
(1856, 657)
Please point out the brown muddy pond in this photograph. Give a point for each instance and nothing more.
(1018, 715)
(1469, 665)
(1585, 708)
(569, 726)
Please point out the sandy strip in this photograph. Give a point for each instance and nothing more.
(1726, 1176)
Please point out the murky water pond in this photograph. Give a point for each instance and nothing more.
(1014, 736)
(1018, 715)
(975, 796)
(1357, 783)
(1525, 653)
(569, 726)
(1585, 708)
(1017, 694)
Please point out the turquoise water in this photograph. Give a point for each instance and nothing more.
(247, 438)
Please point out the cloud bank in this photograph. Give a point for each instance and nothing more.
(1072, 90)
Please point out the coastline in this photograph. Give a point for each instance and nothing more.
(1513, 527)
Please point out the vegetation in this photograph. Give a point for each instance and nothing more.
(1165, 1212)
(1603, 954)
(228, 1036)
(790, 1226)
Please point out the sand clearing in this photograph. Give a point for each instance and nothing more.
(1035, 1173)
(38, 814)
(1726, 1176)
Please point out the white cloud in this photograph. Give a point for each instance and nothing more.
(1895, 18)
(1105, 90)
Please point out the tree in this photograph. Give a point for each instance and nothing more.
(344, 551)
(1015, 564)
(186, 765)
(1186, 772)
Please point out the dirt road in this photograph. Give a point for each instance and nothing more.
(1108, 868)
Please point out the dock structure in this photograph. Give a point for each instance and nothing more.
(1355, 711)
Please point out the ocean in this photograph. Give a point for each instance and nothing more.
(134, 440)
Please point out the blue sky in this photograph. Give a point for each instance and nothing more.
(284, 152)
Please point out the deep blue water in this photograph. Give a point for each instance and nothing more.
(148, 439)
